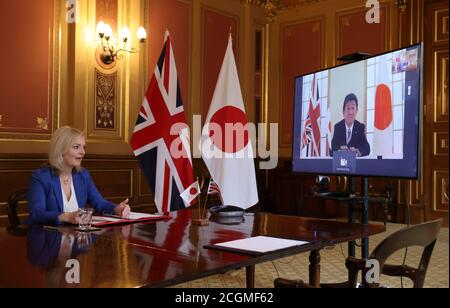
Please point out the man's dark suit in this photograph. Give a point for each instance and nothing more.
(358, 140)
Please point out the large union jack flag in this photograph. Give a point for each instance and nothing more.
(160, 138)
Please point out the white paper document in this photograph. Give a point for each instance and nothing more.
(131, 216)
(136, 215)
(103, 218)
(261, 244)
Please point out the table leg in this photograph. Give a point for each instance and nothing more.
(351, 219)
(314, 268)
(250, 276)
(365, 222)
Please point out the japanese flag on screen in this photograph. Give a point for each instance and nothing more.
(225, 144)
(383, 133)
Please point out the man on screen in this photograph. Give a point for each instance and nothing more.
(349, 134)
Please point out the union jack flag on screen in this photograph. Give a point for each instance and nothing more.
(311, 128)
(160, 138)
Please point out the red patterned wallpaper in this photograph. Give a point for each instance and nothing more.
(107, 11)
(175, 16)
(25, 77)
(302, 52)
(216, 27)
(355, 34)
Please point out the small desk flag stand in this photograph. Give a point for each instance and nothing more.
(201, 220)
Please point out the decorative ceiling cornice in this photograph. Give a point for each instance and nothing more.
(271, 6)
(274, 6)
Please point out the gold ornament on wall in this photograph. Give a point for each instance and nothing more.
(42, 123)
(401, 4)
(271, 7)
(105, 100)
(0, 120)
(445, 189)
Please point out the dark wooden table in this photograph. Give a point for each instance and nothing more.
(355, 201)
(161, 253)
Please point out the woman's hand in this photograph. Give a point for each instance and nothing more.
(71, 218)
(123, 209)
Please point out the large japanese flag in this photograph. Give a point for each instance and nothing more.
(383, 134)
(225, 144)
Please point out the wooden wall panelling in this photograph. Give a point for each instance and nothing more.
(435, 146)
(290, 194)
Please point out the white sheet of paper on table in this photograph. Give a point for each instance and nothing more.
(132, 216)
(261, 244)
(136, 215)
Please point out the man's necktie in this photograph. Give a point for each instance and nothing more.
(349, 135)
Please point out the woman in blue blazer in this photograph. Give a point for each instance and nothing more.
(58, 190)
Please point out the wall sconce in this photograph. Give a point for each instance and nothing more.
(111, 49)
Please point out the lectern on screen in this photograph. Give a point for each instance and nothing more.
(361, 118)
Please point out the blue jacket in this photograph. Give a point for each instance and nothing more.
(45, 202)
(43, 246)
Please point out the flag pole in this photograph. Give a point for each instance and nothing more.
(199, 202)
(204, 205)
(200, 221)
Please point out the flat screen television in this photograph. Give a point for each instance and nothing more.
(361, 118)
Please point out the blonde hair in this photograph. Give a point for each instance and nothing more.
(62, 140)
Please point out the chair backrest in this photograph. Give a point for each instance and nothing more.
(423, 235)
(11, 206)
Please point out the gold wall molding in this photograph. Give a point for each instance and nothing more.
(440, 87)
(414, 192)
(105, 100)
(440, 190)
(440, 143)
(42, 123)
(441, 26)
(445, 189)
